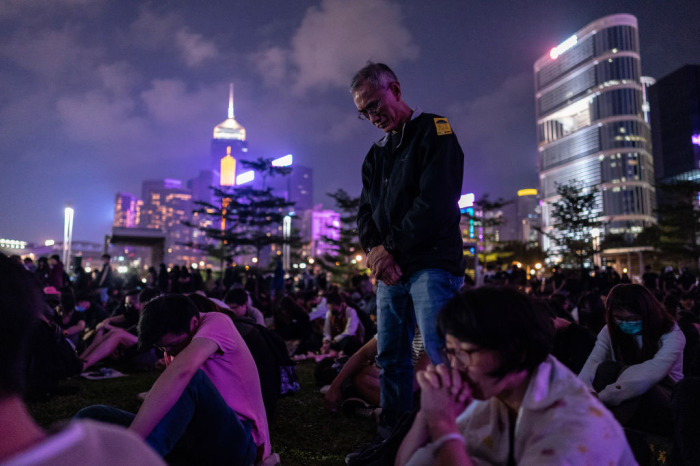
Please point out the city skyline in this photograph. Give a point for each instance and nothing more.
(98, 97)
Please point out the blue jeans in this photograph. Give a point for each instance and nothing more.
(104, 295)
(399, 308)
(199, 428)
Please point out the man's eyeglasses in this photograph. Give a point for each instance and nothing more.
(372, 108)
(464, 357)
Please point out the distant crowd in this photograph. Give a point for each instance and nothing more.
(568, 355)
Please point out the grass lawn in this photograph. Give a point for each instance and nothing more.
(303, 433)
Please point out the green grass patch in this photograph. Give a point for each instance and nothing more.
(302, 432)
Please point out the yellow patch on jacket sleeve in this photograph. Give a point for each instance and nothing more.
(442, 126)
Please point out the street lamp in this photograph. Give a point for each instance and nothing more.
(595, 233)
(286, 234)
(67, 234)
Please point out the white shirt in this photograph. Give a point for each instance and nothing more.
(351, 324)
(88, 443)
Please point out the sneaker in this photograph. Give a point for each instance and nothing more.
(325, 389)
(357, 407)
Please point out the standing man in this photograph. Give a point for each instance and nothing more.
(104, 279)
(408, 224)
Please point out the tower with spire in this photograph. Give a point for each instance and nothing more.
(228, 138)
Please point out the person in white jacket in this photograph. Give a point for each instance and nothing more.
(637, 359)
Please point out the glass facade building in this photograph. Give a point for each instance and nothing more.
(590, 123)
(675, 116)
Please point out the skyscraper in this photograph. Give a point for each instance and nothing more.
(528, 215)
(591, 126)
(675, 117)
(127, 209)
(228, 133)
(166, 205)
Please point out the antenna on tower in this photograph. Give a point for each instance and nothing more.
(230, 102)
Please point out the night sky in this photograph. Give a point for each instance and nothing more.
(96, 96)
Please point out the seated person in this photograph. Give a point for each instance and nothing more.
(71, 321)
(572, 343)
(342, 331)
(50, 356)
(125, 316)
(591, 311)
(94, 312)
(291, 320)
(637, 359)
(500, 398)
(22, 441)
(359, 376)
(238, 300)
(259, 346)
(206, 407)
(117, 342)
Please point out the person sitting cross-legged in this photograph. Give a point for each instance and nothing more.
(206, 407)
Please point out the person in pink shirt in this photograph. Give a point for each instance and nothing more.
(207, 406)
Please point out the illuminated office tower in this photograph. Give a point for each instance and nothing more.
(591, 126)
(528, 215)
(297, 187)
(166, 205)
(675, 117)
(228, 134)
(127, 209)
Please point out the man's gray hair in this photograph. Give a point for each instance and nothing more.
(378, 75)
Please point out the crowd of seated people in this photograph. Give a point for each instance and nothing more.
(625, 354)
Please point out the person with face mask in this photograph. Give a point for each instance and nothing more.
(637, 359)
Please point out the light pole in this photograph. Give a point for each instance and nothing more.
(67, 235)
(286, 233)
(595, 233)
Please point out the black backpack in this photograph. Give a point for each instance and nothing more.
(276, 370)
(51, 358)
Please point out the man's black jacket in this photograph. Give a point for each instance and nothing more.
(411, 183)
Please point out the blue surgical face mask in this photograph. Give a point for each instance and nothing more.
(630, 327)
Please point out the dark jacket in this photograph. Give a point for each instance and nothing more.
(411, 183)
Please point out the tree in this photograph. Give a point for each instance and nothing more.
(342, 262)
(679, 220)
(245, 219)
(575, 217)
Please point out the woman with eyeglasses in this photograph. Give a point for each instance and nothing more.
(500, 398)
(637, 359)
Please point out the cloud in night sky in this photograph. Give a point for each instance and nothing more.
(164, 32)
(487, 132)
(334, 40)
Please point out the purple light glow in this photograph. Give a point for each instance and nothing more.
(695, 138)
